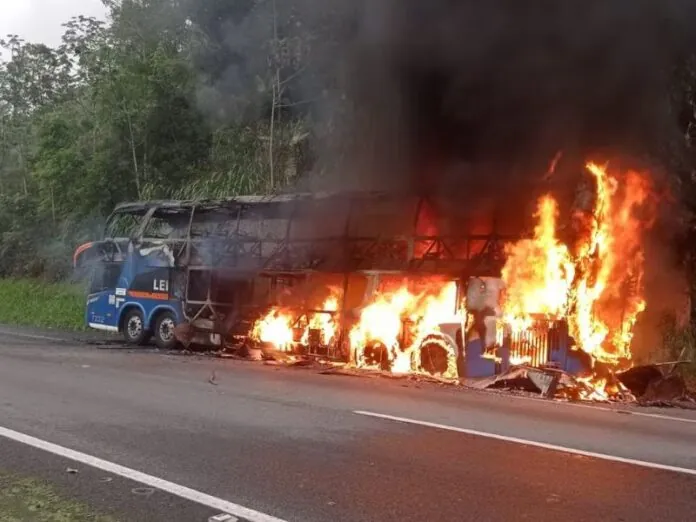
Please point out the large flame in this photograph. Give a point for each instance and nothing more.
(539, 272)
(277, 328)
(594, 282)
(598, 286)
(400, 320)
(324, 321)
(608, 297)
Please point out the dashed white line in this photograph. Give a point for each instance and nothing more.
(533, 443)
(184, 492)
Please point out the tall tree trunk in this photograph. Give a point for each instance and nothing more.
(22, 167)
(134, 154)
(53, 205)
(274, 100)
(271, 140)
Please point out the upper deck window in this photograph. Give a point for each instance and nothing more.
(168, 224)
(123, 225)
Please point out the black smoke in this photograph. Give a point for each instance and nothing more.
(450, 94)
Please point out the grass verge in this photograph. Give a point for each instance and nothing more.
(38, 303)
(27, 500)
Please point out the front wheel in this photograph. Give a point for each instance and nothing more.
(164, 331)
(134, 328)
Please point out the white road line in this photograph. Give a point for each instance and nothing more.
(543, 445)
(637, 413)
(149, 480)
(32, 336)
(603, 408)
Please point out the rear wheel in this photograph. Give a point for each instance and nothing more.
(133, 327)
(164, 331)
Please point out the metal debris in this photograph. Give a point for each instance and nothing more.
(223, 517)
(638, 378)
(656, 384)
(145, 492)
(669, 388)
(525, 378)
(546, 381)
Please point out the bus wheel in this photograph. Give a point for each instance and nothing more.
(134, 327)
(164, 331)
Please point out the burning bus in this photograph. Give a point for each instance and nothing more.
(379, 280)
(319, 274)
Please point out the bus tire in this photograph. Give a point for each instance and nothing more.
(164, 331)
(133, 327)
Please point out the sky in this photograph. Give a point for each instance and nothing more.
(39, 21)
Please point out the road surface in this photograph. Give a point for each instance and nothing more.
(295, 445)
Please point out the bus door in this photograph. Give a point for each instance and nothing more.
(103, 302)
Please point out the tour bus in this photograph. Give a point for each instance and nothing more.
(206, 271)
(216, 265)
(204, 264)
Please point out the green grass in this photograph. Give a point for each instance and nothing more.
(28, 500)
(38, 303)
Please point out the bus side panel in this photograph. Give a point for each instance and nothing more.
(142, 280)
(102, 311)
(151, 307)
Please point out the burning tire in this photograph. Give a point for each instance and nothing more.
(437, 356)
(376, 355)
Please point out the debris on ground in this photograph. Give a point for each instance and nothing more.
(184, 333)
(657, 384)
(223, 517)
(528, 379)
(145, 492)
(638, 378)
(336, 369)
(652, 384)
(552, 383)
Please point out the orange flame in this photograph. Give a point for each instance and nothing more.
(400, 320)
(608, 297)
(599, 286)
(275, 329)
(539, 272)
(324, 321)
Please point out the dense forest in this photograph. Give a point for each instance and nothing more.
(212, 98)
(156, 102)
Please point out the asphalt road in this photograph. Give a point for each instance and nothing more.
(287, 442)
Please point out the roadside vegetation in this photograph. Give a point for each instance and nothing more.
(43, 304)
(25, 500)
(156, 102)
(679, 343)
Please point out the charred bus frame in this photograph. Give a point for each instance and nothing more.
(219, 250)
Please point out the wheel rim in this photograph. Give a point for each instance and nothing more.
(135, 327)
(166, 329)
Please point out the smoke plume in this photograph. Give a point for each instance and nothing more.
(450, 94)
